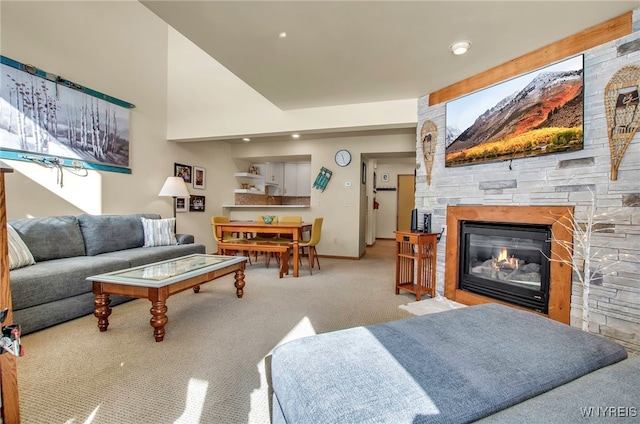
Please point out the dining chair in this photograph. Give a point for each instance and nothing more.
(316, 233)
(265, 237)
(288, 238)
(227, 236)
(285, 239)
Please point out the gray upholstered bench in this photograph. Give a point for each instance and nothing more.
(450, 367)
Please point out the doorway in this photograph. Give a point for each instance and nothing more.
(406, 201)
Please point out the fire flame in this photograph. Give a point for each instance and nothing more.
(504, 261)
(503, 255)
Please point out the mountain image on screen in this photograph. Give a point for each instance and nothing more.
(546, 116)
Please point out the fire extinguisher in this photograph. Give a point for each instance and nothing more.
(376, 205)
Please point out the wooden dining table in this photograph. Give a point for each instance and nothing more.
(295, 229)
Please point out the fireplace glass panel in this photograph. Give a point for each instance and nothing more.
(511, 260)
(507, 262)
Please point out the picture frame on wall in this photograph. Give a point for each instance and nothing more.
(47, 118)
(198, 177)
(182, 204)
(384, 177)
(184, 171)
(196, 204)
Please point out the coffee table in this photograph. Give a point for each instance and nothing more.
(159, 280)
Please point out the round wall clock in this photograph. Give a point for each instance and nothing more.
(343, 157)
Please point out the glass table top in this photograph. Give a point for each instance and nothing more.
(170, 271)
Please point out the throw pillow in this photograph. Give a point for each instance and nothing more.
(159, 232)
(19, 254)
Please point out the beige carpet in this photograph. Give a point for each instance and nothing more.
(211, 366)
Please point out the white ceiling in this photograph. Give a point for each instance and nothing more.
(349, 52)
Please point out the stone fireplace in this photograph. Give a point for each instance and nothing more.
(580, 180)
(500, 254)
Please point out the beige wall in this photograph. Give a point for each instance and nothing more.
(121, 49)
(341, 205)
(102, 46)
(117, 48)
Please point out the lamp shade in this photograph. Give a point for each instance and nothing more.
(174, 187)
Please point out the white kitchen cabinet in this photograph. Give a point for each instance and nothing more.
(273, 173)
(297, 179)
(290, 179)
(303, 180)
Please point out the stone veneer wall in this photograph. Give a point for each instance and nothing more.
(560, 179)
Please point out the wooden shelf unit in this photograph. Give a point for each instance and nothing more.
(416, 263)
(9, 402)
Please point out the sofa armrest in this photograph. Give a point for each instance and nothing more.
(185, 238)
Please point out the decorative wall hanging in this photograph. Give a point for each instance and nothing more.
(535, 114)
(196, 204)
(75, 167)
(429, 140)
(322, 179)
(198, 177)
(623, 114)
(182, 204)
(184, 171)
(45, 114)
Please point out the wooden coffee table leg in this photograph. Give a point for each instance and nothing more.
(102, 310)
(239, 283)
(158, 298)
(158, 319)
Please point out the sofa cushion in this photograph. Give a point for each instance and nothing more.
(19, 253)
(57, 279)
(609, 394)
(453, 366)
(146, 255)
(108, 233)
(159, 232)
(52, 237)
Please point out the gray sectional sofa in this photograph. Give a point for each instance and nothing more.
(67, 250)
(487, 362)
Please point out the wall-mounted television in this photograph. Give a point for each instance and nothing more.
(538, 113)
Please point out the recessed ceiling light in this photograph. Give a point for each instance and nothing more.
(295, 135)
(246, 139)
(282, 35)
(460, 47)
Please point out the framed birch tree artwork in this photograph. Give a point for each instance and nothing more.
(45, 115)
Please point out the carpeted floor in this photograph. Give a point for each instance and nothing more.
(210, 368)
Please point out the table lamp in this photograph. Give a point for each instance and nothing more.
(174, 187)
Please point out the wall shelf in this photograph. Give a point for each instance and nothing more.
(248, 191)
(249, 175)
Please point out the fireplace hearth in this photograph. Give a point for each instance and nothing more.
(500, 254)
(506, 261)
